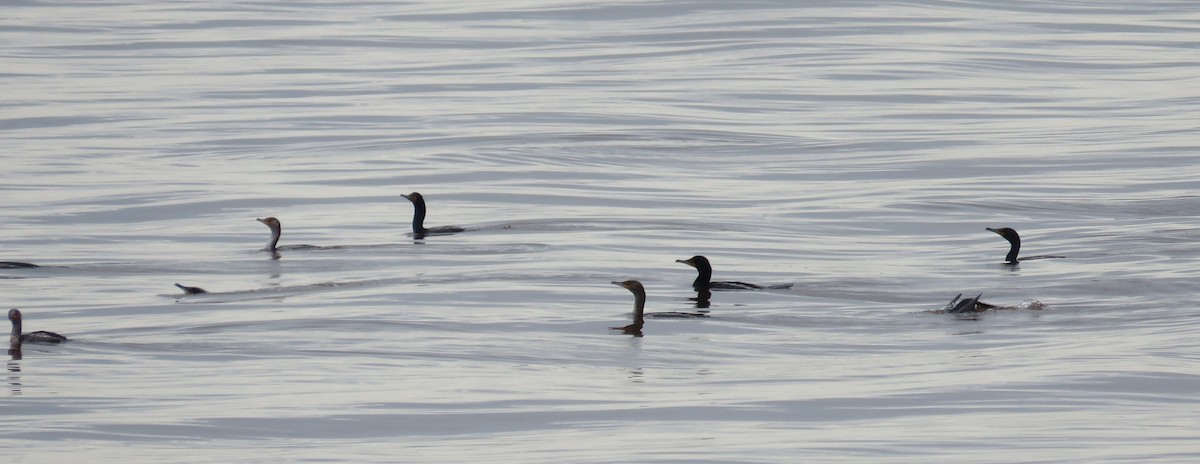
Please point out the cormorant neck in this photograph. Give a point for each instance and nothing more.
(704, 280)
(1012, 252)
(14, 341)
(276, 231)
(418, 216)
(639, 307)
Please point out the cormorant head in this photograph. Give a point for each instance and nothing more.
(270, 222)
(630, 285)
(695, 261)
(1007, 233)
(14, 315)
(414, 197)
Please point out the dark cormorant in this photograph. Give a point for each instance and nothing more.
(1014, 240)
(418, 224)
(968, 305)
(191, 290)
(16, 265)
(703, 280)
(17, 338)
(639, 307)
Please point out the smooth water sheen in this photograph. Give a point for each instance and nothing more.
(857, 149)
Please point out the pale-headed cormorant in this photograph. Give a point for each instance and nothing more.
(17, 338)
(276, 232)
(639, 307)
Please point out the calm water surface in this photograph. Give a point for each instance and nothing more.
(855, 149)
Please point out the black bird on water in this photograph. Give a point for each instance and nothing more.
(276, 232)
(17, 338)
(639, 307)
(1014, 241)
(960, 305)
(418, 223)
(704, 279)
(191, 290)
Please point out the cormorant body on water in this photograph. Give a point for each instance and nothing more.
(1014, 241)
(704, 278)
(191, 290)
(639, 307)
(961, 305)
(276, 232)
(17, 338)
(418, 223)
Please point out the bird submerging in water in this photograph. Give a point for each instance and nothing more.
(639, 307)
(704, 279)
(191, 290)
(958, 305)
(968, 305)
(1014, 241)
(276, 232)
(418, 223)
(17, 338)
(16, 265)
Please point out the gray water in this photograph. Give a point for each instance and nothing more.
(855, 149)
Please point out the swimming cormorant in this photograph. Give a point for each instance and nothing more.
(639, 307)
(1014, 241)
(968, 305)
(16, 265)
(17, 338)
(276, 232)
(191, 290)
(703, 280)
(418, 223)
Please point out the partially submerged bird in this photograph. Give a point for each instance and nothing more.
(703, 298)
(418, 223)
(1014, 241)
(16, 265)
(276, 232)
(639, 306)
(17, 338)
(191, 290)
(961, 305)
(704, 279)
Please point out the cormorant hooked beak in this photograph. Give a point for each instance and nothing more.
(628, 284)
